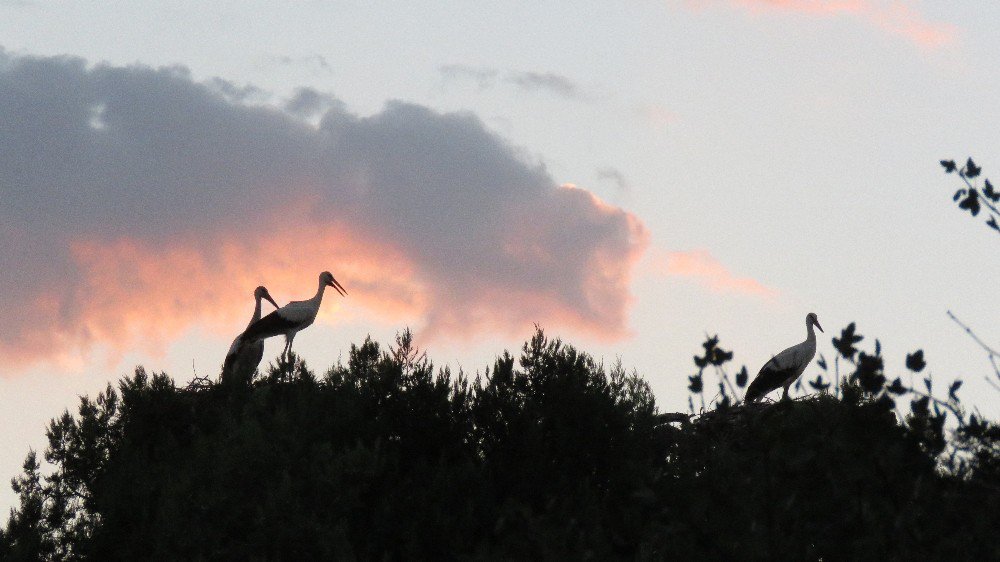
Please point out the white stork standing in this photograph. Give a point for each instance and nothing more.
(242, 358)
(292, 317)
(785, 367)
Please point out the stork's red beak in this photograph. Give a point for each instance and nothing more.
(336, 285)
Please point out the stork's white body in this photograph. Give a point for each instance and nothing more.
(784, 368)
(291, 318)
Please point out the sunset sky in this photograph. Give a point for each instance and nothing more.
(630, 176)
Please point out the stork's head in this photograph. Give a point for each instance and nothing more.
(261, 293)
(811, 319)
(326, 278)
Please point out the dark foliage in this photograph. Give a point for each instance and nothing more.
(972, 197)
(546, 456)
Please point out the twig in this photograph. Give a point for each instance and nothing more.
(991, 353)
(671, 417)
(993, 384)
(972, 334)
(725, 377)
(957, 412)
(199, 383)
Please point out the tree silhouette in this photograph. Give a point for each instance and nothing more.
(547, 455)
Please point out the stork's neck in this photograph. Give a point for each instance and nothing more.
(256, 312)
(319, 292)
(810, 333)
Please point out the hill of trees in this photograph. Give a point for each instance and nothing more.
(547, 456)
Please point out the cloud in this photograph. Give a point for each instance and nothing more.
(138, 203)
(615, 176)
(308, 103)
(482, 76)
(700, 266)
(544, 81)
(532, 82)
(316, 62)
(896, 17)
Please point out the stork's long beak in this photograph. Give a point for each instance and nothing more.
(820, 327)
(336, 285)
(270, 300)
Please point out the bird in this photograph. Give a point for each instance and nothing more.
(293, 317)
(242, 358)
(785, 367)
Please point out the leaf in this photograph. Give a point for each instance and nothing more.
(878, 348)
(696, 385)
(953, 389)
(710, 343)
(821, 362)
(949, 166)
(958, 195)
(991, 193)
(845, 344)
(720, 356)
(971, 170)
(896, 387)
(885, 403)
(869, 373)
(818, 384)
(992, 223)
(742, 376)
(915, 361)
(971, 202)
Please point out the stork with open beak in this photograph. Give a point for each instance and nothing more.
(243, 357)
(293, 317)
(785, 367)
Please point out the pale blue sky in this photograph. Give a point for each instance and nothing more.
(798, 148)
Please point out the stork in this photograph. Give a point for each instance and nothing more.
(785, 367)
(242, 358)
(292, 317)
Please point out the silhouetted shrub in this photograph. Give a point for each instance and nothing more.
(547, 455)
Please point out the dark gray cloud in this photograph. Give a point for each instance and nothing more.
(307, 102)
(235, 92)
(99, 157)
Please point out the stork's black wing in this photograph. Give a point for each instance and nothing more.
(273, 324)
(769, 378)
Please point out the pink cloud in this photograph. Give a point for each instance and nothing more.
(701, 267)
(130, 294)
(896, 17)
(166, 216)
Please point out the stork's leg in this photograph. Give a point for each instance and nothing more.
(784, 395)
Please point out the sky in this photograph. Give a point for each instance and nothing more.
(629, 176)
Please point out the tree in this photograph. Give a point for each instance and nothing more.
(546, 455)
